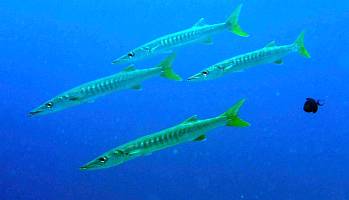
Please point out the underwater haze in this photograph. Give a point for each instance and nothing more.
(48, 47)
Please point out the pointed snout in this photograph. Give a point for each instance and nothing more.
(88, 166)
(193, 78)
(117, 61)
(34, 113)
(84, 168)
(92, 165)
(122, 60)
(190, 78)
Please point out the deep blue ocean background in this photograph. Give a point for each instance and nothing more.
(48, 47)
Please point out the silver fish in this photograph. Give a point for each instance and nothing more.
(200, 32)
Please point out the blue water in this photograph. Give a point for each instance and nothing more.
(48, 47)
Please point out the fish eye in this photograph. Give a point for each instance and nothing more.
(205, 73)
(103, 159)
(49, 105)
(131, 54)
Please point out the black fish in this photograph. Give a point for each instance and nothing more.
(311, 105)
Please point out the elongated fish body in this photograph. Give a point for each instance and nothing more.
(197, 33)
(120, 81)
(269, 54)
(185, 132)
(129, 78)
(191, 129)
(261, 56)
(200, 32)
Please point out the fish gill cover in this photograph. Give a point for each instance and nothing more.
(49, 47)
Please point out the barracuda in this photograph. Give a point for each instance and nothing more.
(269, 54)
(129, 78)
(191, 129)
(200, 32)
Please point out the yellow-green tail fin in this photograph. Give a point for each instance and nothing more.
(232, 115)
(167, 71)
(300, 45)
(233, 23)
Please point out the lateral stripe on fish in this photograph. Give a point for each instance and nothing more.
(195, 34)
(191, 129)
(129, 78)
(269, 54)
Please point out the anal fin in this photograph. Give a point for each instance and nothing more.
(136, 87)
(207, 41)
(200, 138)
(279, 62)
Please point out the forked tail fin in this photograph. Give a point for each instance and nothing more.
(167, 71)
(233, 23)
(300, 45)
(232, 115)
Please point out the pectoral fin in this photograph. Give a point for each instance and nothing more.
(74, 99)
(118, 151)
(138, 152)
(135, 152)
(153, 48)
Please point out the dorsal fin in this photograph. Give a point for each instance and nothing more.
(271, 44)
(201, 22)
(191, 119)
(129, 68)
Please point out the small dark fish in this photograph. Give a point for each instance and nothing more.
(311, 105)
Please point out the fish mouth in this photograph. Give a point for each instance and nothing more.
(84, 168)
(192, 78)
(120, 60)
(90, 166)
(34, 112)
(116, 61)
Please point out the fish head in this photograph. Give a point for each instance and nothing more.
(109, 159)
(209, 73)
(134, 55)
(56, 104)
